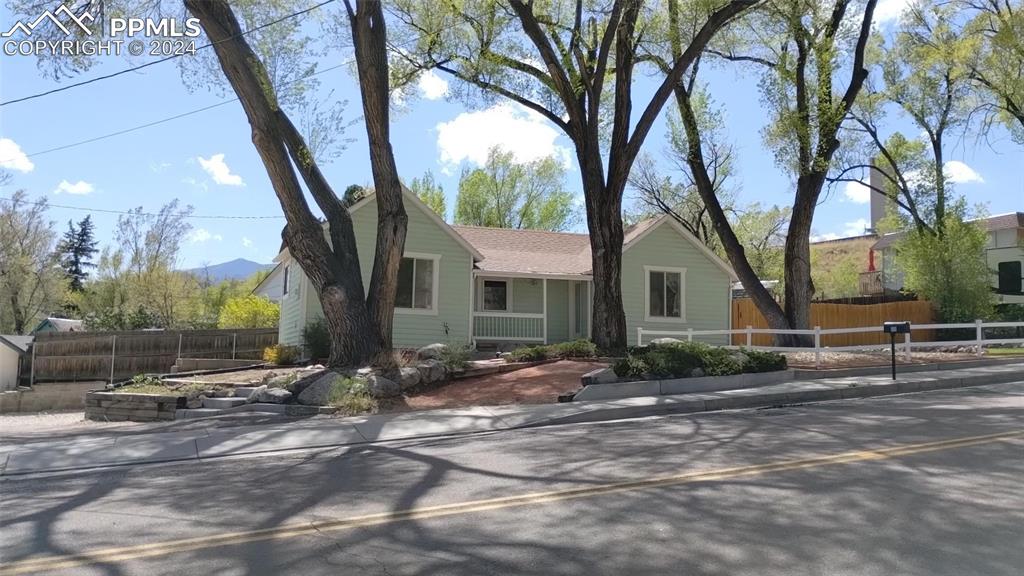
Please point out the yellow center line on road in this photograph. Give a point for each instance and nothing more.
(114, 555)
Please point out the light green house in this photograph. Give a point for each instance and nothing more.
(493, 286)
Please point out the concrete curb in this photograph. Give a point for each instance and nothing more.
(677, 386)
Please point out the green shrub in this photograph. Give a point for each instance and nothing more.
(575, 349)
(281, 354)
(762, 361)
(529, 354)
(351, 396)
(680, 359)
(317, 339)
(455, 357)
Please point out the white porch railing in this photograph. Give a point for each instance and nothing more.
(508, 327)
(906, 345)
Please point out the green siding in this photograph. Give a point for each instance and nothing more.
(707, 287)
(527, 296)
(293, 318)
(558, 310)
(424, 236)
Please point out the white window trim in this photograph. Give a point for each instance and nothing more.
(286, 289)
(508, 295)
(647, 294)
(432, 311)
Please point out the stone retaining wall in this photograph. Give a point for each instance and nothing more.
(115, 406)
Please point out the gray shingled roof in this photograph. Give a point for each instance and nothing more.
(19, 343)
(537, 251)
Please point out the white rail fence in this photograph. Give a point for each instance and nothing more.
(906, 345)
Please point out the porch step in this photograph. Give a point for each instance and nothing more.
(221, 403)
(245, 391)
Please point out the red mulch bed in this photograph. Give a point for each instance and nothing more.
(536, 385)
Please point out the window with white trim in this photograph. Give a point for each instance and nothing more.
(416, 284)
(284, 290)
(665, 288)
(496, 295)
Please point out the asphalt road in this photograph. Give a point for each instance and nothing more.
(929, 484)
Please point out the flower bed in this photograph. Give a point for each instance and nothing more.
(675, 359)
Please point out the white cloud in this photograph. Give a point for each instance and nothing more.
(857, 227)
(524, 133)
(219, 171)
(200, 184)
(158, 167)
(80, 188)
(12, 158)
(960, 173)
(200, 235)
(857, 192)
(890, 10)
(432, 86)
(824, 237)
(246, 242)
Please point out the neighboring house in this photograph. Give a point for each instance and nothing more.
(1004, 254)
(272, 286)
(13, 351)
(464, 284)
(59, 325)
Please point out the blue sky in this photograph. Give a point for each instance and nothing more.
(207, 159)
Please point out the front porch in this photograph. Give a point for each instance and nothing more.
(515, 308)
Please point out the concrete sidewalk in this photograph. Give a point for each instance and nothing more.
(79, 453)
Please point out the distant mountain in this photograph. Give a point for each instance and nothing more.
(237, 269)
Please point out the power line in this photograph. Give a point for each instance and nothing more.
(168, 119)
(129, 213)
(165, 59)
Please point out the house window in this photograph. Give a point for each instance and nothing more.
(417, 284)
(665, 297)
(496, 295)
(1009, 278)
(284, 291)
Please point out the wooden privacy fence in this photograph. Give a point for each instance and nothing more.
(61, 356)
(744, 314)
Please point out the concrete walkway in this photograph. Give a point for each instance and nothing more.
(84, 452)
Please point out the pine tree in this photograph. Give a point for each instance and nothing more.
(76, 249)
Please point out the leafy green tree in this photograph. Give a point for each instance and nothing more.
(998, 64)
(812, 56)
(30, 280)
(431, 192)
(249, 312)
(950, 270)
(507, 194)
(76, 249)
(762, 232)
(574, 64)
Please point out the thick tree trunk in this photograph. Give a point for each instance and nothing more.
(799, 288)
(604, 221)
(369, 35)
(335, 274)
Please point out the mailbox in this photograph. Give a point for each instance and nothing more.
(896, 327)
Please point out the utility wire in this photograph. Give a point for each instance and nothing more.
(168, 119)
(130, 213)
(165, 59)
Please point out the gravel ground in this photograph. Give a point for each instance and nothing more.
(872, 358)
(239, 376)
(50, 423)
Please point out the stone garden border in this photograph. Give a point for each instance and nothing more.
(603, 384)
(107, 406)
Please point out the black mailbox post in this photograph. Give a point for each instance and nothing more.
(892, 329)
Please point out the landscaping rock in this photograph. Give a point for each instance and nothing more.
(281, 381)
(408, 377)
(318, 391)
(600, 376)
(274, 396)
(267, 377)
(431, 371)
(431, 351)
(740, 357)
(223, 392)
(304, 382)
(196, 402)
(381, 387)
(665, 341)
(254, 395)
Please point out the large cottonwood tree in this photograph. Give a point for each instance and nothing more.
(574, 63)
(359, 320)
